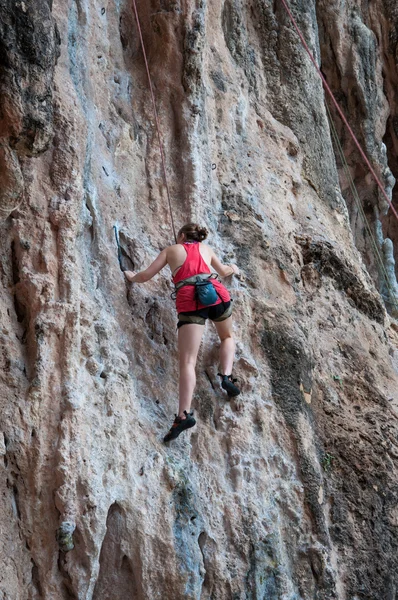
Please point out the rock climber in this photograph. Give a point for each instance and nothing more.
(190, 263)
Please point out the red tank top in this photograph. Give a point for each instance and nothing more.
(195, 265)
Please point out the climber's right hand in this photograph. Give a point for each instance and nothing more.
(129, 275)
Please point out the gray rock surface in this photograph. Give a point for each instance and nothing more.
(288, 492)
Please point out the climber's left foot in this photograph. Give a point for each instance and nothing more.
(179, 426)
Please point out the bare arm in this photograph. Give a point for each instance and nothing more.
(223, 270)
(155, 267)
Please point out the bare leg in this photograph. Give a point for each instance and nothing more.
(189, 338)
(227, 348)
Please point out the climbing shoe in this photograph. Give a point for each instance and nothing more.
(179, 426)
(228, 384)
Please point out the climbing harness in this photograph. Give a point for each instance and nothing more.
(156, 118)
(205, 292)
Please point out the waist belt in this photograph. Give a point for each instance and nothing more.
(192, 280)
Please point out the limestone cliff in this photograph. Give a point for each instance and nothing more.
(291, 492)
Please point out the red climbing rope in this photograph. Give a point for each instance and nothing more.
(156, 117)
(329, 91)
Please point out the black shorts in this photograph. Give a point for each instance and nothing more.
(218, 312)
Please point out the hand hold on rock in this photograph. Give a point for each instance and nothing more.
(65, 536)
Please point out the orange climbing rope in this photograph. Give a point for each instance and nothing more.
(329, 91)
(156, 118)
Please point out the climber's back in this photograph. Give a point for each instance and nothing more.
(188, 259)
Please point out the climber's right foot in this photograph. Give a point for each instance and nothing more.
(228, 384)
(179, 426)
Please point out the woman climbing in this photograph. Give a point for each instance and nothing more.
(199, 297)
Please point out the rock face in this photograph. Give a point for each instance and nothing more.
(29, 48)
(291, 490)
